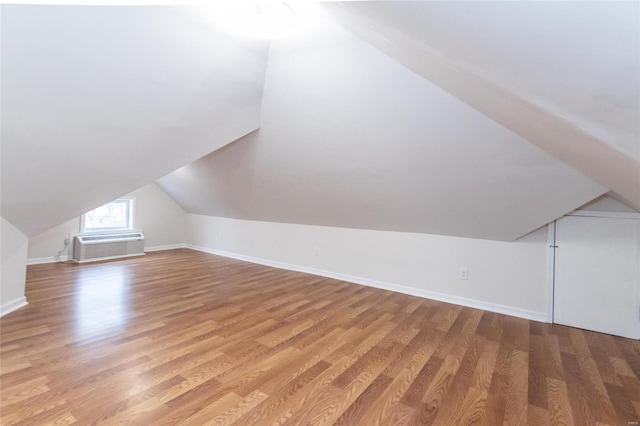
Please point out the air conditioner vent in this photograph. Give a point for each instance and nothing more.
(88, 248)
(111, 237)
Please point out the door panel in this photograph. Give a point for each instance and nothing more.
(597, 274)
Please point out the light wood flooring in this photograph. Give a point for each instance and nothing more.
(183, 337)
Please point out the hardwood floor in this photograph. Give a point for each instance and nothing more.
(182, 337)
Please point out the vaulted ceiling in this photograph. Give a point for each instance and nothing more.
(473, 119)
(562, 75)
(98, 101)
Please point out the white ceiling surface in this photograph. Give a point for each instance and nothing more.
(564, 75)
(349, 137)
(98, 101)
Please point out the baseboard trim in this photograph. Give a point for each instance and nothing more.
(441, 297)
(167, 247)
(13, 305)
(52, 259)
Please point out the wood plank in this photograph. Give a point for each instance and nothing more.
(559, 403)
(199, 339)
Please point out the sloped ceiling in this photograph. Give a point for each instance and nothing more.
(98, 101)
(472, 119)
(350, 137)
(563, 75)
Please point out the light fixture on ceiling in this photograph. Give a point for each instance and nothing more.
(265, 20)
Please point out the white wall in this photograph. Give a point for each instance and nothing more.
(162, 221)
(507, 277)
(13, 250)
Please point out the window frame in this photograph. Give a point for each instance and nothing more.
(131, 207)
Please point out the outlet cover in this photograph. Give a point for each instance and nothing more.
(463, 274)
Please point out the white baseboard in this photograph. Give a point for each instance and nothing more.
(52, 259)
(13, 305)
(168, 247)
(472, 303)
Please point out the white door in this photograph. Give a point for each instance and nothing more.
(597, 274)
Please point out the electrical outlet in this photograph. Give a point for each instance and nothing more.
(317, 251)
(463, 274)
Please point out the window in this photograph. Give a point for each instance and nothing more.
(114, 216)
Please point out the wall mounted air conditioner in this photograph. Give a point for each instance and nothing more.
(92, 247)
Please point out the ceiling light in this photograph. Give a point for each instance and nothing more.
(262, 20)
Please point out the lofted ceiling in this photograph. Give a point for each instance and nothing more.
(563, 75)
(349, 137)
(98, 101)
(578, 60)
(474, 119)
